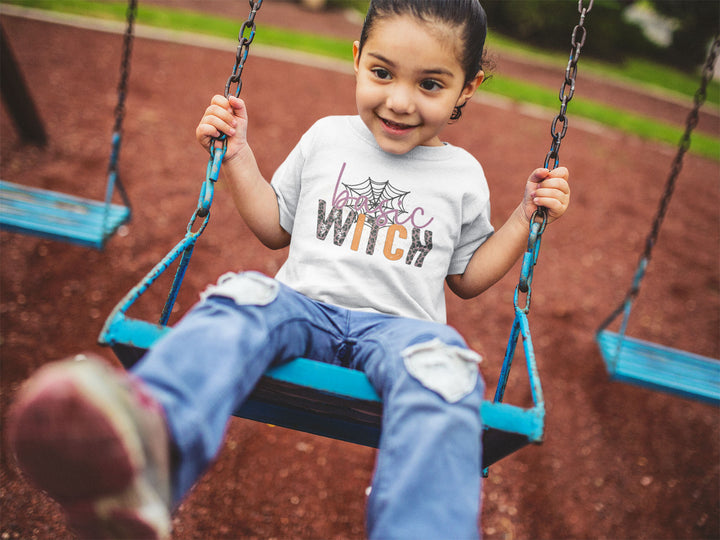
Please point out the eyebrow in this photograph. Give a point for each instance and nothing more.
(430, 71)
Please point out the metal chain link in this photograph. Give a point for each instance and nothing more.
(683, 146)
(218, 145)
(217, 152)
(538, 221)
(690, 124)
(116, 182)
(243, 49)
(567, 90)
(131, 13)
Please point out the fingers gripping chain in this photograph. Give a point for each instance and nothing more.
(219, 145)
(558, 129)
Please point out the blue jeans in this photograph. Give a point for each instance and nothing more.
(427, 479)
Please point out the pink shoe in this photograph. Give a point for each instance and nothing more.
(97, 443)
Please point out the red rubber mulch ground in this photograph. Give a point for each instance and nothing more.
(618, 461)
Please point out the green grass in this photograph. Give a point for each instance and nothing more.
(658, 76)
(201, 23)
(633, 71)
(628, 122)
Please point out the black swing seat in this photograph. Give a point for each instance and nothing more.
(661, 368)
(59, 216)
(331, 401)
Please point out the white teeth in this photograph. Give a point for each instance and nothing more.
(396, 125)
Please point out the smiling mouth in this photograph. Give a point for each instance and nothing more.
(396, 127)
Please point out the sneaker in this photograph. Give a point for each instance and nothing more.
(93, 439)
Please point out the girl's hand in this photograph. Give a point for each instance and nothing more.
(228, 116)
(549, 189)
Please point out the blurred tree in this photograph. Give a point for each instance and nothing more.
(548, 23)
(699, 21)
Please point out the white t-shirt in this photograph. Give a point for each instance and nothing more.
(376, 231)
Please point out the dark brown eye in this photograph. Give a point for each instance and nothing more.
(430, 85)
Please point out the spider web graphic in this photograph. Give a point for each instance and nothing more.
(383, 201)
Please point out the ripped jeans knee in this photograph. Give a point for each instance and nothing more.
(448, 370)
(245, 289)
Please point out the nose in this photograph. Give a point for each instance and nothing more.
(400, 99)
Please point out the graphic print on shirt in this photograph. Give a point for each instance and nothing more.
(375, 205)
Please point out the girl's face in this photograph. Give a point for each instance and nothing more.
(409, 81)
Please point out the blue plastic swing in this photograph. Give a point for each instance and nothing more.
(69, 218)
(648, 364)
(60, 216)
(655, 366)
(333, 401)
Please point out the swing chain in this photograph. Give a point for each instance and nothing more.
(683, 146)
(218, 146)
(538, 221)
(243, 49)
(112, 169)
(567, 90)
(131, 13)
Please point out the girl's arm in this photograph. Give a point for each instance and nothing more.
(498, 254)
(253, 196)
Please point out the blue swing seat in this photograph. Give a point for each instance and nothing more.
(59, 216)
(660, 368)
(333, 401)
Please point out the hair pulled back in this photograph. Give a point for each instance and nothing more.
(468, 16)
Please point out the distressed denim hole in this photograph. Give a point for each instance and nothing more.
(451, 372)
(245, 289)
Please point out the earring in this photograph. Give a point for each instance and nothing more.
(457, 112)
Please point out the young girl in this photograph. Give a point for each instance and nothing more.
(378, 213)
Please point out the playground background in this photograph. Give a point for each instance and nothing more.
(618, 461)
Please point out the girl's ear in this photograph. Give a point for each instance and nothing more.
(470, 88)
(356, 56)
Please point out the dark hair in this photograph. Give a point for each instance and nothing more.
(467, 15)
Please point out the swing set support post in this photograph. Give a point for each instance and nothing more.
(17, 97)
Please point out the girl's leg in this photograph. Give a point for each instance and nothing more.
(96, 439)
(211, 361)
(427, 481)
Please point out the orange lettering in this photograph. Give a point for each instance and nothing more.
(390, 238)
